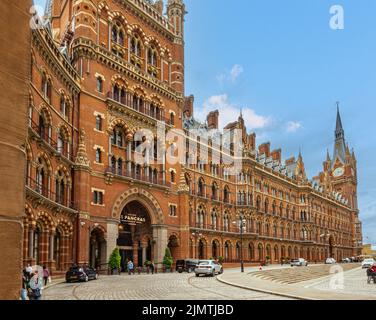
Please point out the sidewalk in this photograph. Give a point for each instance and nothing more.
(297, 291)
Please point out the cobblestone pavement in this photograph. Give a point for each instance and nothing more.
(351, 282)
(152, 287)
(300, 274)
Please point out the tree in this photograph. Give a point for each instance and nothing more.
(115, 260)
(167, 259)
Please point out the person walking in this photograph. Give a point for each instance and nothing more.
(35, 286)
(46, 275)
(152, 267)
(25, 283)
(29, 270)
(130, 267)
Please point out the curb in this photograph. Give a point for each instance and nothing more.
(265, 291)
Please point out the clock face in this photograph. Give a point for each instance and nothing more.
(338, 172)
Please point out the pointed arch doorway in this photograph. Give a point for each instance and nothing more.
(135, 235)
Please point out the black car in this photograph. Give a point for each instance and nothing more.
(81, 274)
(188, 265)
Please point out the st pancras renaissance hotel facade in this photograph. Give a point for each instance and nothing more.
(107, 114)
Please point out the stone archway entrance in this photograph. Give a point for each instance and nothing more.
(137, 228)
(135, 232)
(97, 254)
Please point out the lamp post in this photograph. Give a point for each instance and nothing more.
(241, 225)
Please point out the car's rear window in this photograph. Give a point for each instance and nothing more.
(204, 262)
(295, 260)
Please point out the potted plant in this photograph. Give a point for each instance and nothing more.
(168, 260)
(114, 262)
(267, 260)
(221, 260)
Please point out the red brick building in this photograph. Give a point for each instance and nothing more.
(105, 75)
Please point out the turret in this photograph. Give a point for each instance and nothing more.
(176, 13)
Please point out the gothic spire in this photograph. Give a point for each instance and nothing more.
(339, 129)
(339, 145)
(327, 155)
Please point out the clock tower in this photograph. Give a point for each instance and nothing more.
(343, 173)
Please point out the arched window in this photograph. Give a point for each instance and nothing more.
(113, 163)
(42, 179)
(43, 127)
(260, 252)
(238, 254)
(173, 176)
(172, 119)
(226, 223)
(227, 251)
(136, 51)
(200, 218)
(46, 88)
(214, 220)
(266, 206)
(117, 138)
(226, 194)
(201, 188)
(62, 143)
(214, 191)
(258, 203)
(119, 93)
(251, 252)
(57, 249)
(120, 167)
(60, 188)
(37, 243)
(155, 176)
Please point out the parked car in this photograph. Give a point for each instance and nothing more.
(346, 260)
(81, 274)
(299, 262)
(330, 261)
(367, 263)
(208, 267)
(188, 265)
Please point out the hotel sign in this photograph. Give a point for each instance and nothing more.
(132, 219)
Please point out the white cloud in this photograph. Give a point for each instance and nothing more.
(235, 72)
(231, 75)
(228, 112)
(293, 126)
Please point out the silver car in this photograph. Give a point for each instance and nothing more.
(208, 268)
(299, 262)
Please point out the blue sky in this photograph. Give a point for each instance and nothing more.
(285, 67)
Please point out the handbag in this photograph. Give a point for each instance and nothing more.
(36, 293)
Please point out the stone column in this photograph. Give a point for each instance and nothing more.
(51, 251)
(135, 254)
(31, 243)
(25, 244)
(112, 236)
(14, 86)
(160, 238)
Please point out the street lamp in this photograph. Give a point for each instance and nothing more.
(241, 225)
